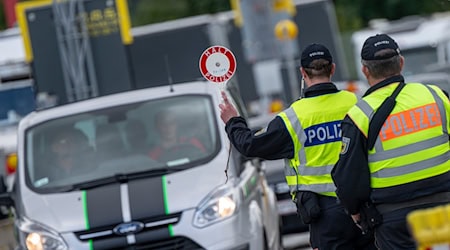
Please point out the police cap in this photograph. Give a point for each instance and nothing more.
(376, 43)
(313, 52)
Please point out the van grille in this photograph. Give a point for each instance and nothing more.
(146, 238)
(175, 243)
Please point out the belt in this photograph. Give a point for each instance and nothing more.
(429, 199)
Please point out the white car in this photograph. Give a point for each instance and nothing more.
(123, 195)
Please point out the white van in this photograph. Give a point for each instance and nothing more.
(98, 174)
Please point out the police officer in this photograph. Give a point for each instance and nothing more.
(307, 135)
(407, 166)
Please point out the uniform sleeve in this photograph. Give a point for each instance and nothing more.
(351, 173)
(271, 143)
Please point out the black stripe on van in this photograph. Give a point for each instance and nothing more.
(148, 204)
(147, 201)
(103, 208)
(146, 198)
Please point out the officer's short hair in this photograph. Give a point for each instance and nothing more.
(316, 60)
(383, 68)
(319, 68)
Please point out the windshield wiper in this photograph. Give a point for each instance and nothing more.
(120, 178)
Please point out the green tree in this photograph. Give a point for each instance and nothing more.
(355, 14)
(2, 17)
(197, 7)
(154, 11)
(395, 9)
(157, 11)
(348, 16)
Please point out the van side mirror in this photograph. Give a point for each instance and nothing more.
(5, 197)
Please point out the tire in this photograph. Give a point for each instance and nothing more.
(280, 233)
(3, 215)
(266, 245)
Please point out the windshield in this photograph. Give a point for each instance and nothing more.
(156, 136)
(417, 59)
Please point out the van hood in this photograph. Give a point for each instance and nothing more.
(138, 200)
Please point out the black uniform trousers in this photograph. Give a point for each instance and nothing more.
(393, 233)
(335, 229)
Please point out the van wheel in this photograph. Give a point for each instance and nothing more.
(3, 216)
(280, 233)
(4, 213)
(266, 245)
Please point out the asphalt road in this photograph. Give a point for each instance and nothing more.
(296, 241)
(6, 235)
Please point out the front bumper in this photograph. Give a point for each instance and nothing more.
(242, 231)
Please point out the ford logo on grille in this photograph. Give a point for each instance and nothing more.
(131, 227)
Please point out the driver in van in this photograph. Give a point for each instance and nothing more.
(136, 135)
(171, 141)
(68, 146)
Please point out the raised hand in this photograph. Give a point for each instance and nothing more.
(227, 110)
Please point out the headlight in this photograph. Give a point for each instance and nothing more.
(38, 237)
(219, 205)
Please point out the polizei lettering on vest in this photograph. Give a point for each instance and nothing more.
(323, 133)
(410, 121)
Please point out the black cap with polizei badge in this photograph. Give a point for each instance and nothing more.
(313, 52)
(377, 43)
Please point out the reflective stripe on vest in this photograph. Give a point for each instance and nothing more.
(316, 135)
(413, 143)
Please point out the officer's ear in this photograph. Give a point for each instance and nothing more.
(365, 71)
(304, 75)
(402, 62)
(333, 69)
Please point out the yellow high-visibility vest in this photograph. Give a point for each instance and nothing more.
(413, 143)
(314, 124)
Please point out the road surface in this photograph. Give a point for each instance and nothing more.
(296, 241)
(6, 235)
